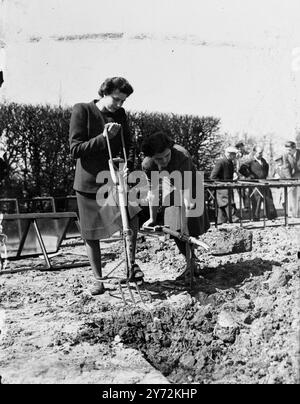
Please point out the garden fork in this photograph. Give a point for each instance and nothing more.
(121, 187)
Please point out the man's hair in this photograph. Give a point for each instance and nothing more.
(230, 149)
(289, 143)
(256, 148)
(115, 83)
(156, 143)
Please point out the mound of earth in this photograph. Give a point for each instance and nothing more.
(239, 323)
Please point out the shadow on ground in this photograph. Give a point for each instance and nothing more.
(227, 276)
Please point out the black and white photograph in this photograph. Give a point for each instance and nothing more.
(149, 195)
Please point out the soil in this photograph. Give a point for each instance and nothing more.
(239, 323)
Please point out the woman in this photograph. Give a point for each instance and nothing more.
(163, 155)
(91, 123)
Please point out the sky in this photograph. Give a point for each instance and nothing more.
(255, 22)
(235, 59)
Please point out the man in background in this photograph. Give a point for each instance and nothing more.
(241, 158)
(278, 167)
(223, 171)
(242, 153)
(258, 168)
(291, 169)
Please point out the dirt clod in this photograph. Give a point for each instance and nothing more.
(279, 278)
(231, 241)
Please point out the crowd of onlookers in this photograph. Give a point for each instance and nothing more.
(238, 163)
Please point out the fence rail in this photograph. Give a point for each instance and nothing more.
(69, 203)
(211, 188)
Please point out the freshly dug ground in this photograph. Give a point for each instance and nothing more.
(239, 323)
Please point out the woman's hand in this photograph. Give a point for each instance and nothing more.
(124, 171)
(189, 205)
(111, 129)
(188, 202)
(149, 223)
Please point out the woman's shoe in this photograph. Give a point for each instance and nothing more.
(136, 275)
(184, 276)
(97, 289)
(197, 271)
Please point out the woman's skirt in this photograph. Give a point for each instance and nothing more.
(100, 220)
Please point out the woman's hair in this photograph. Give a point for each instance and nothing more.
(115, 83)
(156, 143)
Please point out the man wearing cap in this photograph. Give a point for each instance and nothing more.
(291, 168)
(224, 170)
(241, 152)
(278, 173)
(242, 157)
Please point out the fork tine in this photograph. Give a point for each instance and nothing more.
(130, 292)
(139, 293)
(122, 293)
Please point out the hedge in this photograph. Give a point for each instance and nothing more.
(38, 147)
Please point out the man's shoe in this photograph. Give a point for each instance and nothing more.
(223, 222)
(235, 219)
